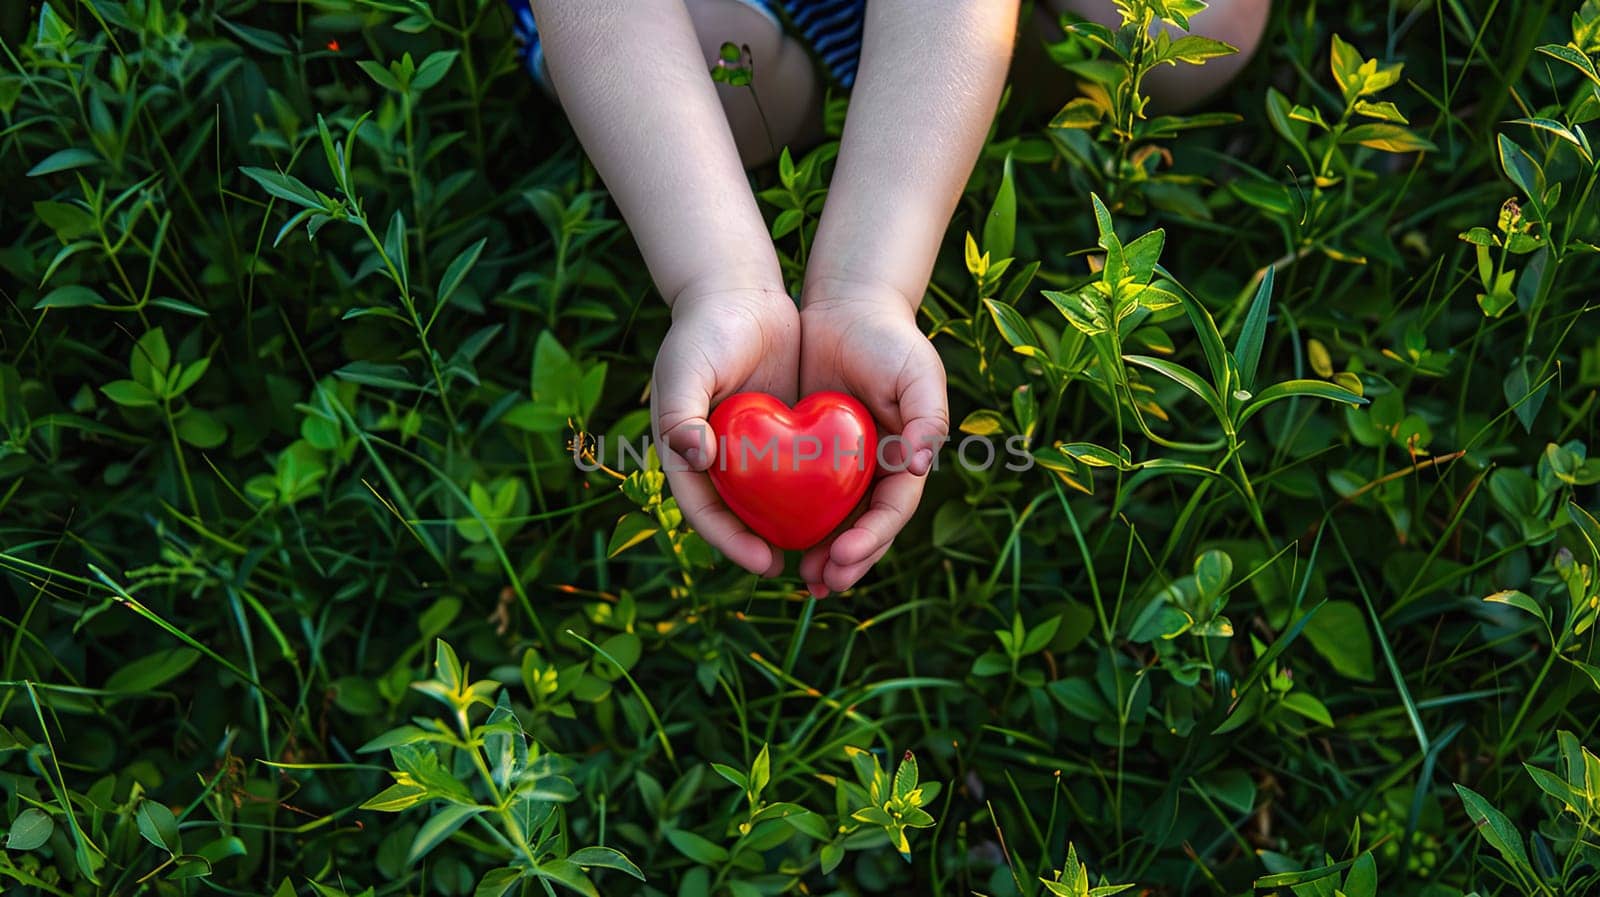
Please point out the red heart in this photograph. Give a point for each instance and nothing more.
(793, 474)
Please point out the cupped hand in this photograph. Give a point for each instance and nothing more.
(720, 343)
(864, 340)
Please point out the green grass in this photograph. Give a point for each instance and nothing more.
(306, 304)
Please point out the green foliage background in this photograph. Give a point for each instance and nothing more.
(307, 304)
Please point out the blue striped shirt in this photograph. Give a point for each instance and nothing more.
(831, 29)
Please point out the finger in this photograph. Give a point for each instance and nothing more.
(812, 563)
(894, 500)
(679, 404)
(815, 559)
(702, 507)
(924, 411)
(839, 577)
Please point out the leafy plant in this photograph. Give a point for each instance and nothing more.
(320, 344)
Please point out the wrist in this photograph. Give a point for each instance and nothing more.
(770, 311)
(829, 294)
(726, 290)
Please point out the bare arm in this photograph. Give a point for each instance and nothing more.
(930, 78)
(929, 82)
(632, 80)
(635, 85)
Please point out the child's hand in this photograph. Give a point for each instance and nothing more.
(719, 343)
(864, 342)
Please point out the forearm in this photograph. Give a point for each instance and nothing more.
(930, 78)
(634, 84)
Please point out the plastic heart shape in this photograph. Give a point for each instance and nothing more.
(793, 474)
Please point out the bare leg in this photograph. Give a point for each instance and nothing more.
(785, 79)
(1237, 22)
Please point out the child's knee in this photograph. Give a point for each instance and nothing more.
(785, 78)
(1236, 22)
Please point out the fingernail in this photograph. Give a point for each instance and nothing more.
(922, 461)
(694, 458)
(817, 591)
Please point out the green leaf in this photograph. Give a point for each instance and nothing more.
(1593, 672)
(1384, 111)
(1115, 265)
(188, 377)
(442, 824)
(496, 882)
(983, 422)
(386, 376)
(457, 272)
(1573, 57)
(268, 42)
(1143, 254)
(396, 250)
(159, 826)
(1387, 137)
(1339, 633)
(1550, 126)
(905, 776)
(761, 770)
(735, 777)
(1247, 351)
(1013, 327)
(1566, 796)
(151, 359)
(152, 671)
(1522, 396)
(1495, 828)
(1345, 63)
(1521, 168)
(555, 375)
(1094, 455)
(1307, 705)
(1315, 389)
(618, 654)
(1078, 114)
(1000, 228)
(201, 428)
(536, 417)
(1587, 525)
(1159, 619)
(632, 528)
(1212, 571)
(30, 829)
(395, 798)
(1182, 376)
(63, 160)
(70, 221)
(1205, 327)
(1039, 636)
(1195, 49)
(433, 69)
(1234, 788)
(697, 848)
(1521, 601)
(1362, 881)
(787, 222)
(285, 187)
(605, 858)
(130, 394)
(380, 74)
(73, 296)
(568, 874)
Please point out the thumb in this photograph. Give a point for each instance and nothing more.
(680, 403)
(691, 439)
(925, 416)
